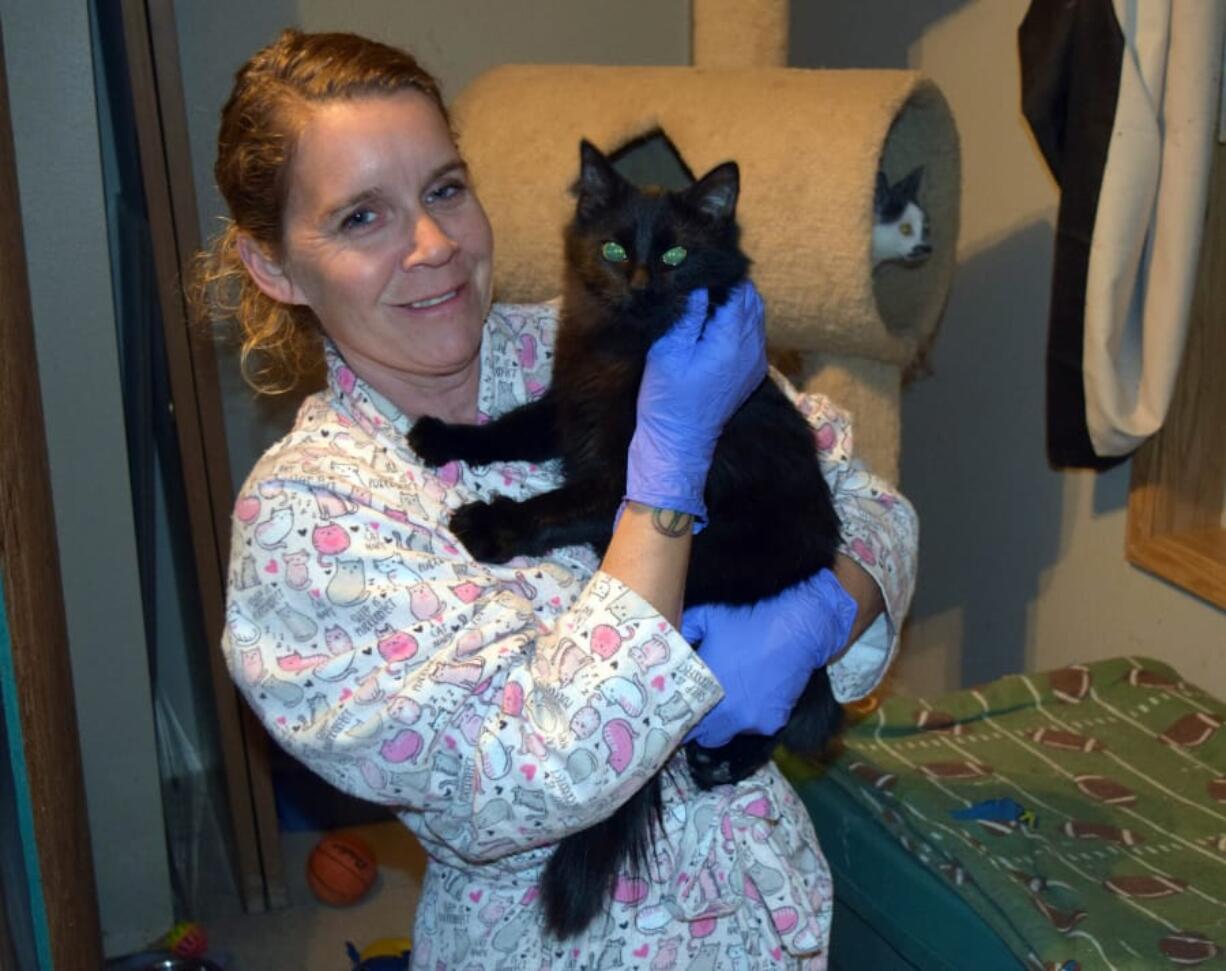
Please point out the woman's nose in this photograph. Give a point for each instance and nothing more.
(431, 245)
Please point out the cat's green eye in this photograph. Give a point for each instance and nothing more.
(614, 252)
(674, 256)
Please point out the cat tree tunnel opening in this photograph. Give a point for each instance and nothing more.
(911, 297)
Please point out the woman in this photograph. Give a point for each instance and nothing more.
(498, 709)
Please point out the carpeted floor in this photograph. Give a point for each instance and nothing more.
(311, 936)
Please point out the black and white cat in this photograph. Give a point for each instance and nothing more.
(900, 226)
(632, 257)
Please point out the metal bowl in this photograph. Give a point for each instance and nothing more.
(162, 961)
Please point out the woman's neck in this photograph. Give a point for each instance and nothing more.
(451, 396)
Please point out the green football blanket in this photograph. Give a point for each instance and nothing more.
(1081, 812)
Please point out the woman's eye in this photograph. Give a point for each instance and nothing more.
(614, 252)
(358, 219)
(447, 191)
(674, 256)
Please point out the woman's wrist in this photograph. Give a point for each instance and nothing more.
(668, 521)
(650, 553)
(862, 588)
(663, 477)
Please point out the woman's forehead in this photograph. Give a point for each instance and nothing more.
(362, 144)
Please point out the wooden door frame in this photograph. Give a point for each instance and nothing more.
(151, 41)
(47, 767)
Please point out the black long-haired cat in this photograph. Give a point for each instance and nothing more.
(632, 257)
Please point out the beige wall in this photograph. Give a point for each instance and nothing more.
(1021, 567)
(458, 39)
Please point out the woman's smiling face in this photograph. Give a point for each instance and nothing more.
(385, 240)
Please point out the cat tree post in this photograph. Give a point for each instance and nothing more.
(739, 33)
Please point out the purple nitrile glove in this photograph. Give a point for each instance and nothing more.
(695, 378)
(763, 654)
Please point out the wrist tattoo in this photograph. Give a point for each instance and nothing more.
(671, 523)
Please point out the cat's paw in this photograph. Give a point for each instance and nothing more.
(489, 530)
(707, 768)
(430, 438)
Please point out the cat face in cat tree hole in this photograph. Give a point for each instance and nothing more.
(641, 251)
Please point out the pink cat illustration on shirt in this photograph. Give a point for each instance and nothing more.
(329, 540)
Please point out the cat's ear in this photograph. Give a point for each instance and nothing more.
(908, 188)
(716, 192)
(599, 183)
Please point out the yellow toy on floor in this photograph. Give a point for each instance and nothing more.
(384, 954)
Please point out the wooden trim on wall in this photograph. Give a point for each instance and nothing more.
(1178, 497)
(153, 58)
(33, 603)
(8, 956)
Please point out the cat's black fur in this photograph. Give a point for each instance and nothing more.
(771, 519)
(889, 201)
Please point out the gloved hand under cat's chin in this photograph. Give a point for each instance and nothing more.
(696, 376)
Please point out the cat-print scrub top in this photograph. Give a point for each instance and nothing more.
(498, 709)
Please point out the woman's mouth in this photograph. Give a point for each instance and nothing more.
(428, 302)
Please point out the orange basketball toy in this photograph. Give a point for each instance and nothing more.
(341, 869)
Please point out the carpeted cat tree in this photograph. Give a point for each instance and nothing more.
(809, 144)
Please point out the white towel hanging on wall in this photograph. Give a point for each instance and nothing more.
(1150, 220)
(1122, 98)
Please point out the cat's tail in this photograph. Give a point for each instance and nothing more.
(580, 876)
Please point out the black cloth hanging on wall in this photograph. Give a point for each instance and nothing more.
(1071, 55)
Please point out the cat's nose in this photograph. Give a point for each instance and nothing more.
(639, 278)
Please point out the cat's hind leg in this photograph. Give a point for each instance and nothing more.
(730, 763)
(815, 721)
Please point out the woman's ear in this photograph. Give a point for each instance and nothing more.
(268, 273)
